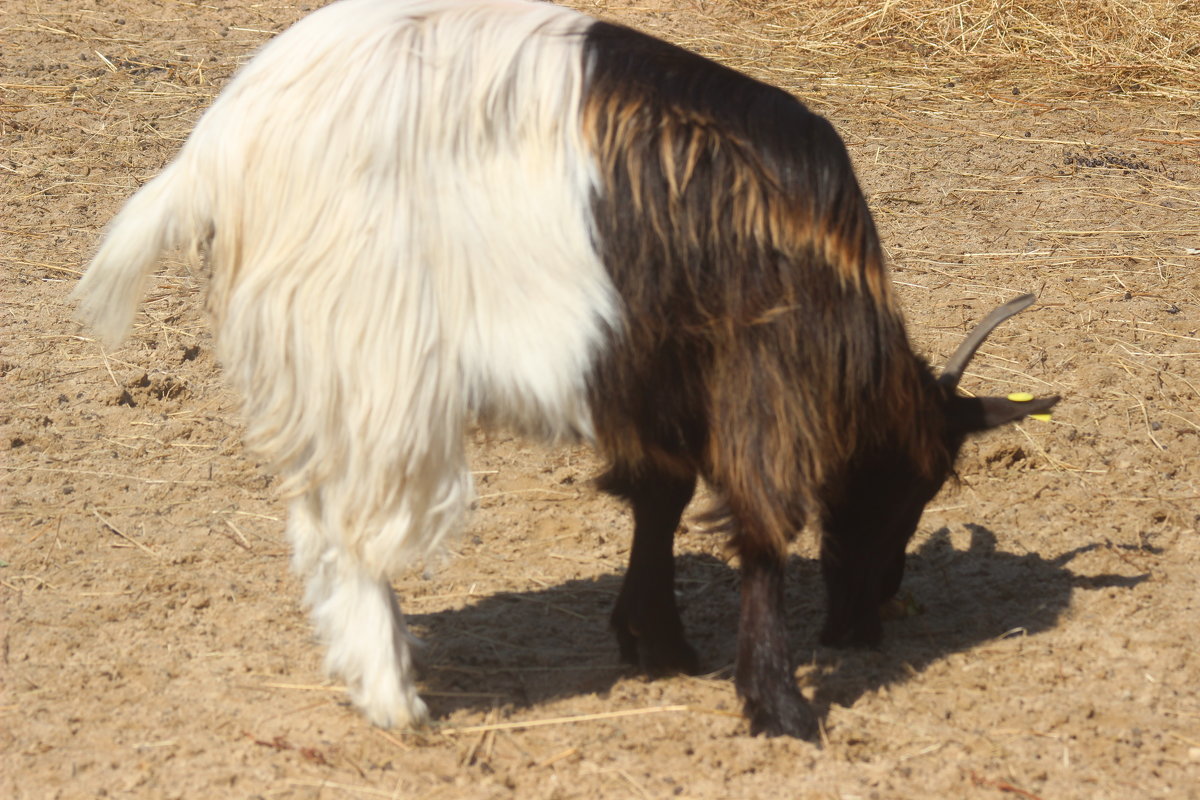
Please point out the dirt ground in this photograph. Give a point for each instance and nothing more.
(153, 641)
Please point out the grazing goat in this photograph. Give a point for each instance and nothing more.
(420, 213)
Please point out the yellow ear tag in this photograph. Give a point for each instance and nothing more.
(1025, 397)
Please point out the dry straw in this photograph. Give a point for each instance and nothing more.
(1061, 47)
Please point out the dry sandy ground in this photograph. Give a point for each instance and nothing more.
(153, 644)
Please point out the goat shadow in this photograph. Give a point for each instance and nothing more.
(520, 649)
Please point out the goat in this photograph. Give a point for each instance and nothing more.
(420, 213)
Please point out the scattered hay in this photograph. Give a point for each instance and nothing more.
(1052, 48)
(1082, 186)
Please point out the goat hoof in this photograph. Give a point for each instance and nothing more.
(628, 645)
(658, 649)
(788, 715)
(864, 635)
(657, 656)
(389, 711)
(667, 658)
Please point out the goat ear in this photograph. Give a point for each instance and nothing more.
(973, 414)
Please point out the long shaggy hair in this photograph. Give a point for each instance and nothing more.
(393, 199)
(761, 335)
(419, 213)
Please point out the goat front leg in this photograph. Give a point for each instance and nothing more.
(645, 618)
(765, 676)
(862, 561)
(852, 588)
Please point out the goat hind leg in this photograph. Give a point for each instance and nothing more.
(367, 642)
(645, 617)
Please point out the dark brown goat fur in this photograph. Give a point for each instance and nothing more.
(763, 350)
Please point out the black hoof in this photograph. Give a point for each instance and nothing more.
(661, 658)
(787, 715)
(657, 656)
(866, 634)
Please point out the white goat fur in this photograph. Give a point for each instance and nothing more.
(393, 201)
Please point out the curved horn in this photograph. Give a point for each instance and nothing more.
(953, 370)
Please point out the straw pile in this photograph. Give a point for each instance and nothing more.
(1056, 48)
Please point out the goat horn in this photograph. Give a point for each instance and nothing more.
(953, 371)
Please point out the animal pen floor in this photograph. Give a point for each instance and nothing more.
(153, 642)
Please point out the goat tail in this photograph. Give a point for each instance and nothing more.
(155, 219)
